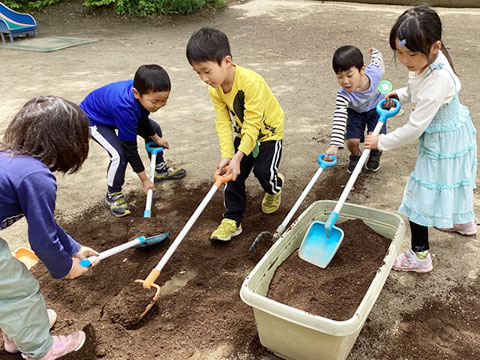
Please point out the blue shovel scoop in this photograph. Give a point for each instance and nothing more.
(153, 149)
(141, 241)
(322, 240)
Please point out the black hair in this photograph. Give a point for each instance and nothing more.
(420, 27)
(345, 57)
(151, 78)
(51, 129)
(207, 44)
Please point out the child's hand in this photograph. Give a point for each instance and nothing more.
(371, 142)
(76, 269)
(388, 99)
(163, 143)
(85, 252)
(160, 141)
(234, 168)
(332, 150)
(147, 185)
(220, 170)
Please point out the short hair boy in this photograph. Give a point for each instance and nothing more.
(123, 107)
(242, 97)
(356, 102)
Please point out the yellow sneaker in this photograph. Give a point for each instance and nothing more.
(226, 230)
(271, 203)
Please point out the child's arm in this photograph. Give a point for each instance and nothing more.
(376, 59)
(339, 125)
(47, 239)
(223, 125)
(431, 97)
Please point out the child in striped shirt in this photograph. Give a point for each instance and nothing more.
(356, 102)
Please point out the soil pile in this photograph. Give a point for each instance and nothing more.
(336, 291)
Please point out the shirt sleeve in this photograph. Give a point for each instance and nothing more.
(431, 97)
(37, 195)
(253, 116)
(404, 95)
(377, 59)
(339, 124)
(223, 124)
(132, 155)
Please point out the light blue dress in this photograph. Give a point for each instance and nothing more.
(440, 189)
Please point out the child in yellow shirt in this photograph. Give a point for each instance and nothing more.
(249, 122)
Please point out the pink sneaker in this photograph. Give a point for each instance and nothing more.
(10, 345)
(409, 261)
(63, 345)
(463, 229)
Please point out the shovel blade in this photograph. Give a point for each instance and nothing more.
(317, 248)
(26, 256)
(152, 240)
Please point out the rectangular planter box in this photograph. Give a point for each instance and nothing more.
(295, 334)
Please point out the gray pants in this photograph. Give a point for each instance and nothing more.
(23, 313)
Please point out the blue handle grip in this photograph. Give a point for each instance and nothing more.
(147, 214)
(330, 223)
(153, 148)
(85, 262)
(324, 163)
(384, 113)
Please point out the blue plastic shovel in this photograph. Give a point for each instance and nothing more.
(141, 241)
(153, 149)
(281, 228)
(322, 240)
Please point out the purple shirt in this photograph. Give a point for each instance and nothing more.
(363, 101)
(28, 188)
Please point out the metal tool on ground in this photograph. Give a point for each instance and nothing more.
(322, 240)
(141, 241)
(150, 280)
(26, 256)
(281, 228)
(153, 149)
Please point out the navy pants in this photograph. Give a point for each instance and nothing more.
(107, 138)
(265, 169)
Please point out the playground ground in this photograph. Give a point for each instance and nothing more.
(290, 43)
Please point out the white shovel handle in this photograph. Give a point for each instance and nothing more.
(115, 250)
(323, 164)
(384, 114)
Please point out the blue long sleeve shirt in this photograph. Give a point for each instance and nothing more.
(115, 105)
(28, 188)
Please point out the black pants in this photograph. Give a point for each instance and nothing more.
(265, 169)
(419, 237)
(107, 138)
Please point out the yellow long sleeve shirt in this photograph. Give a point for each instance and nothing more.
(249, 111)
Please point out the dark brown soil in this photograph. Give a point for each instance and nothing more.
(336, 291)
(199, 309)
(441, 330)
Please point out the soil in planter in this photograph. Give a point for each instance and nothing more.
(336, 291)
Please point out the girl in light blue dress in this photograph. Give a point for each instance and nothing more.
(439, 192)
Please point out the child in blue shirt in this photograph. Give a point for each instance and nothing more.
(118, 112)
(48, 134)
(356, 102)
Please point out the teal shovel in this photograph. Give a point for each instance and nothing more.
(140, 241)
(153, 149)
(322, 240)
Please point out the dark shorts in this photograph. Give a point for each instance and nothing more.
(357, 122)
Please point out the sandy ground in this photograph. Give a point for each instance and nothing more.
(290, 43)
